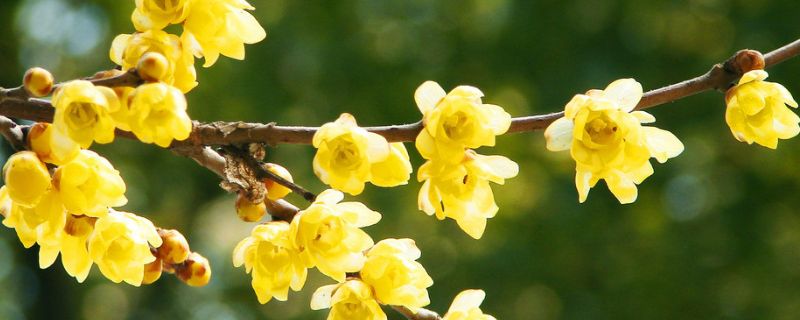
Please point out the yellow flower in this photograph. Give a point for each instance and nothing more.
(157, 14)
(275, 265)
(455, 121)
(462, 191)
(394, 275)
(466, 306)
(26, 178)
(157, 114)
(72, 246)
(215, 27)
(127, 49)
(327, 234)
(50, 147)
(350, 300)
(348, 156)
(607, 140)
(89, 185)
(757, 111)
(41, 223)
(120, 246)
(82, 112)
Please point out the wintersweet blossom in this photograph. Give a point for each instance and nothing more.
(607, 140)
(82, 112)
(128, 49)
(215, 27)
(466, 306)
(395, 276)
(348, 156)
(120, 246)
(349, 300)
(327, 234)
(462, 191)
(757, 110)
(89, 185)
(455, 121)
(274, 264)
(157, 114)
(41, 223)
(276, 191)
(71, 245)
(157, 14)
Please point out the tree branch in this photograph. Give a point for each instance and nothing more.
(12, 133)
(422, 314)
(236, 133)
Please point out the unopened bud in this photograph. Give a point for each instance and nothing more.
(275, 190)
(174, 248)
(195, 271)
(38, 82)
(152, 272)
(26, 178)
(248, 211)
(152, 66)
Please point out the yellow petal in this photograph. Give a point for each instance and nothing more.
(627, 92)
(753, 75)
(559, 134)
(643, 117)
(662, 143)
(428, 95)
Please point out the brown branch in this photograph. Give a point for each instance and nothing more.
(262, 173)
(422, 314)
(236, 133)
(12, 133)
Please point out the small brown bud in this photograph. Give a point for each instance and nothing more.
(747, 60)
(152, 272)
(38, 82)
(174, 249)
(248, 211)
(195, 271)
(152, 66)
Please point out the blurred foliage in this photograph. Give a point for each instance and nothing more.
(715, 232)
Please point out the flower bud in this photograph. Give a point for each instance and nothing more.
(26, 178)
(152, 67)
(195, 271)
(174, 249)
(38, 82)
(248, 211)
(275, 190)
(152, 272)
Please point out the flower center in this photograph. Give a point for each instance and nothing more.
(81, 115)
(602, 130)
(346, 155)
(457, 126)
(166, 5)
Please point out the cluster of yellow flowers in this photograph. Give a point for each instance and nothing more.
(69, 212)
(456, 178)
(607, 140)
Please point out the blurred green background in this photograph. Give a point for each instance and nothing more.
(715, 233)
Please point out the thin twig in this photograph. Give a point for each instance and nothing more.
(422, 314)
(12, 133)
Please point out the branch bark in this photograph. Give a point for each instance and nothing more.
(719, 77)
